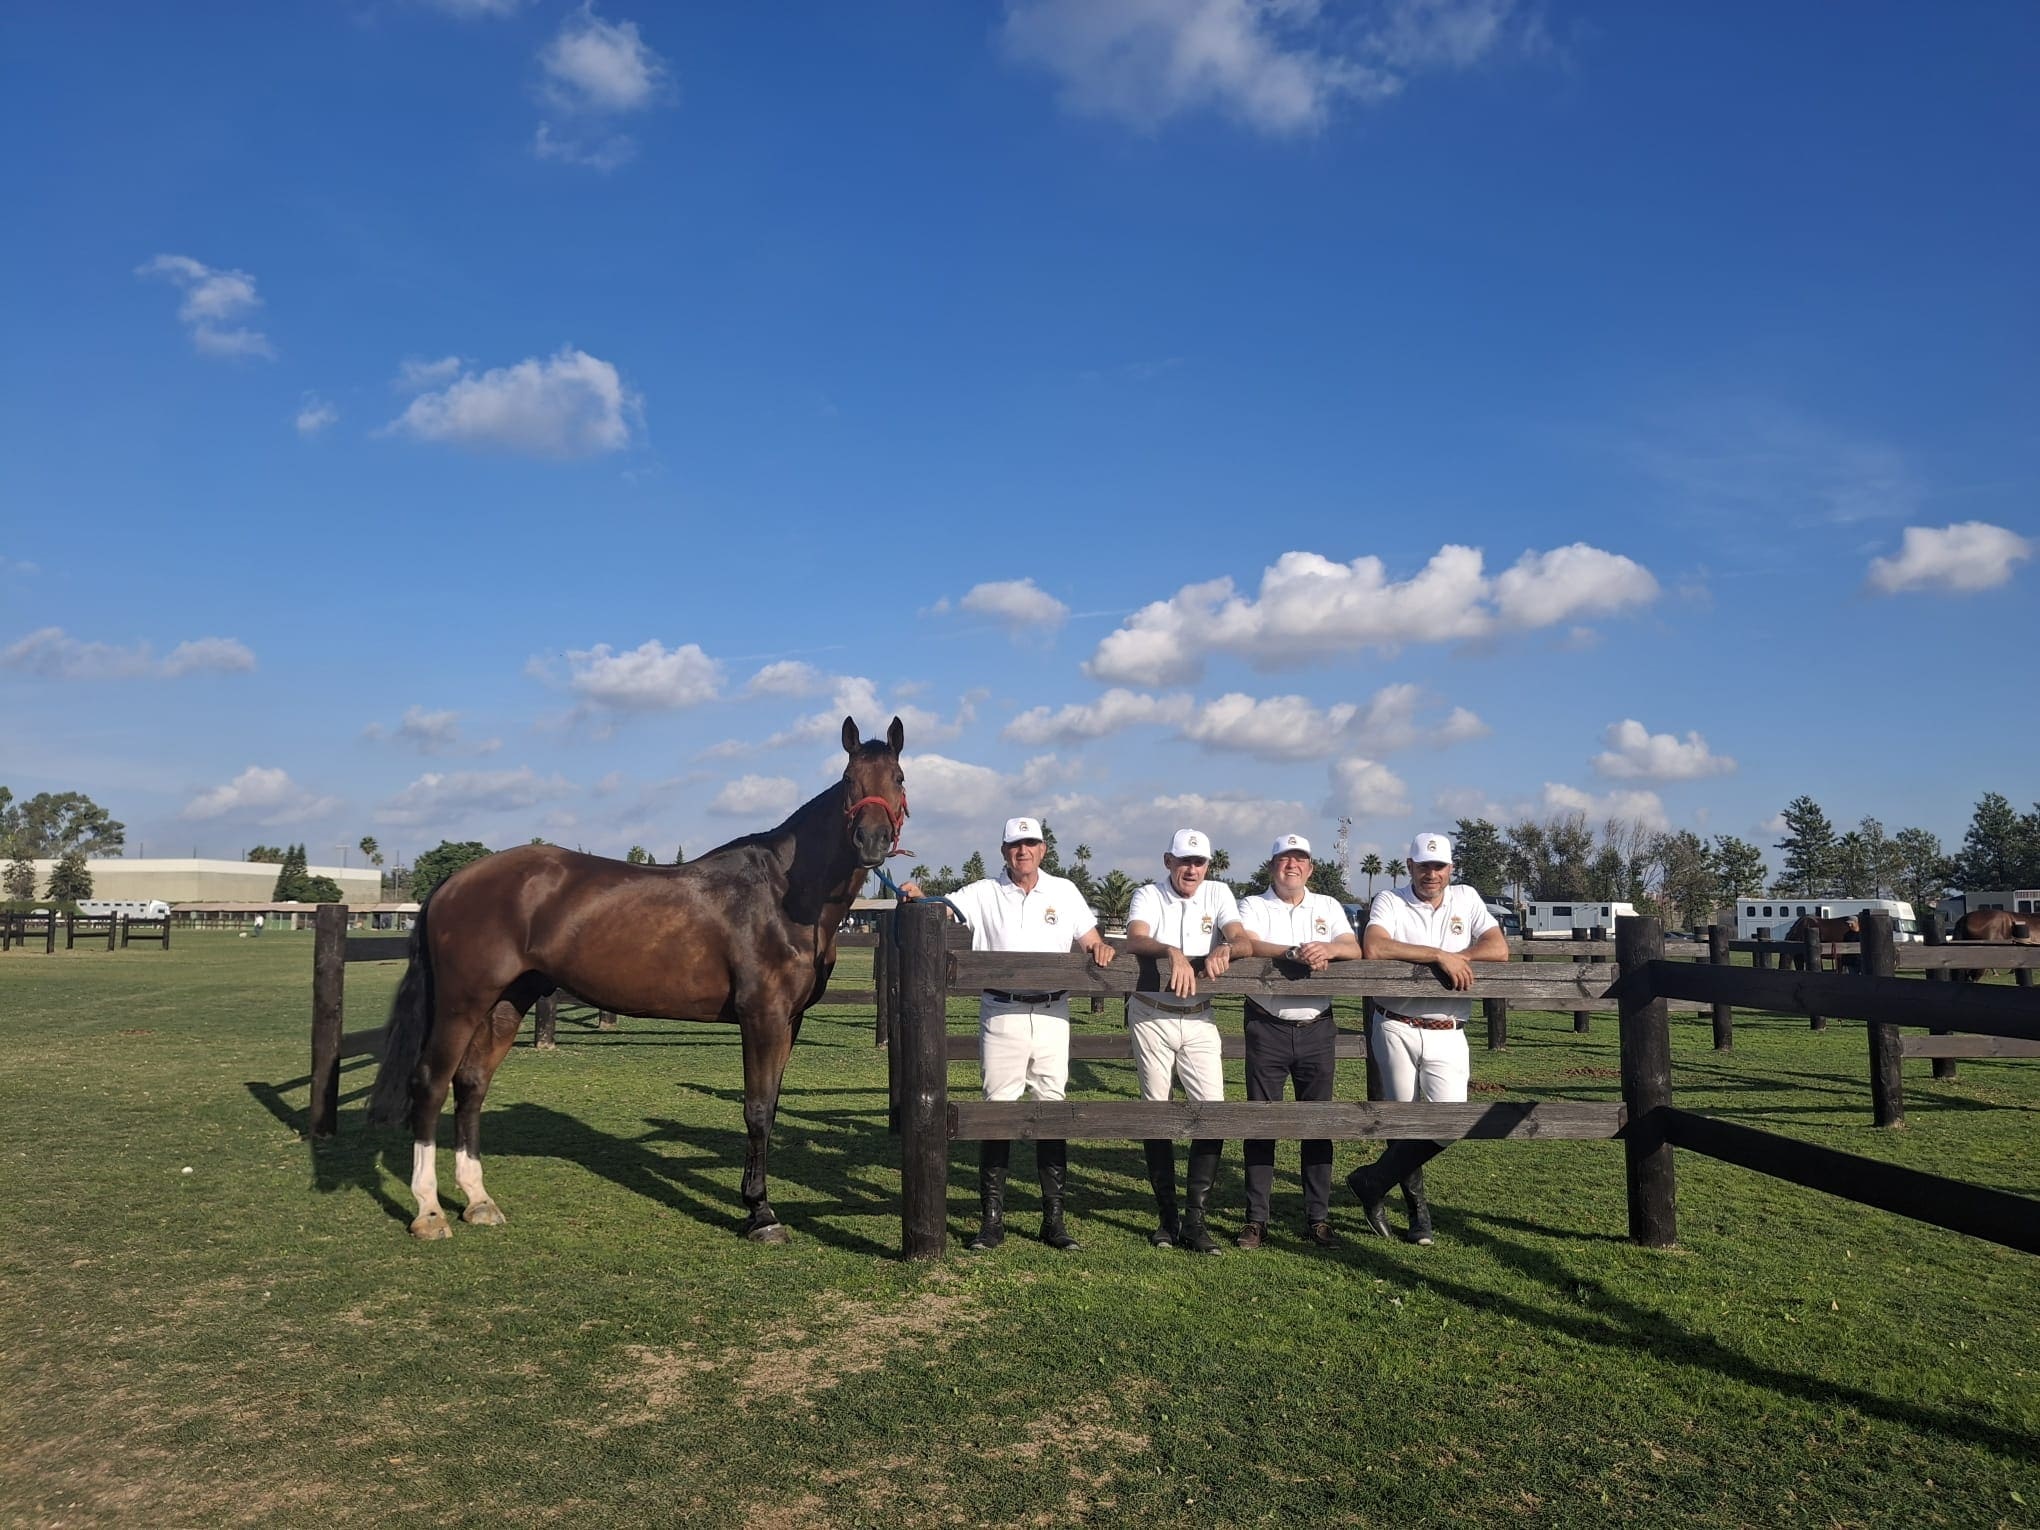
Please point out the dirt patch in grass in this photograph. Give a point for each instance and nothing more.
(1592, 1073)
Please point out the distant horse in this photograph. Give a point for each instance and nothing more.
(1829, 932)
(746, 934)
(1999, 925)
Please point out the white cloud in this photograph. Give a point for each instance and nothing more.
(1310, 607)
(1635, 753)
(592, 65)
(1017, 604)
(264, 794)
(213, 301)
(596, 70)
(786, 677)
(851, 696)
(431, 733)
(1366, 789)
(415, 375)
(752, 796)
(1278, 66)
(945, 788)
(1646, 807)
(52, 654)
(1958, 559)
(648, 678)
(438, 800)
(315, 414)
(1116, 709)
(569, 405)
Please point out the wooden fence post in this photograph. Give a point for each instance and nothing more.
(1375, 1088)
(923, 1053)
(1813, 963)
(1580, 1017)
(545, 1023)
(2022, 931)
(889, 1000)
(1935, 929)
(1887, 1087)
(1496, 1013)
(1646, 1086)
(1761, 958)
(1724, 1016)
(329, 975)
(881, 978)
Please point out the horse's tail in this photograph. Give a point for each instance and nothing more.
(404, 1037)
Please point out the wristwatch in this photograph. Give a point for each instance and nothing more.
(1294, 953)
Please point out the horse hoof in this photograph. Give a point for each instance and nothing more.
(484, 1214)
(771, 1232)
(432, 1224)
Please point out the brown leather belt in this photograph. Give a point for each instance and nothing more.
(1421, 1022)
(1004, 997)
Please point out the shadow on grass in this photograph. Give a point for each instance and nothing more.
(1613, 1321)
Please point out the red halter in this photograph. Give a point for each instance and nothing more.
(898, 819)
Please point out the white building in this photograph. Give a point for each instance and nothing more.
(119, 879)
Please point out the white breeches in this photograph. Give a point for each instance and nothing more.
(1421, 1065)
(1185, 1046)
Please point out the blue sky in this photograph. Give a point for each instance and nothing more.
(479, 420)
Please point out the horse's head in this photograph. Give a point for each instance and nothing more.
(875, 792)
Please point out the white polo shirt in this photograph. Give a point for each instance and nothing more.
(1316, 917)
(1193, 925)
(1051, 917)
(1460, 919)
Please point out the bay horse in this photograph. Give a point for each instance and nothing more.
(1999, 925)
(746, 935)
(1829, 932)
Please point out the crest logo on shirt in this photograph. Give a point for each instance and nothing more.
(1048, 916)
(1323, 929)
(1206, 925)
(1458, 925)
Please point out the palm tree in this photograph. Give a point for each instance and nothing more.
(1115, 898)
(1373, 868)
(371, 849)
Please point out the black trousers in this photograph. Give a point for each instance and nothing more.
(1278, 1052)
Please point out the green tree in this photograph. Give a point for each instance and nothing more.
(1922, 868)
(921, 876)
(1689, 885)
(52, 824)
(19, 879)
(1079, 872)
(1993, 854)
(269, 855)
(1050, 862)
(679, 855)
(69, 880)
(974, 868)
(1479, 858)
(291, 877)
(441, 862)
(1809, 847)
(1114, 898)
(371, 851)
(1849, 866)
(1739, 868)
(638, 855)
(1329, 878)
(320, 890)
(1371, 867)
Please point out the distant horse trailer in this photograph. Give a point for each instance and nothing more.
(1550, 920)
(1775, 915)
(126, 908)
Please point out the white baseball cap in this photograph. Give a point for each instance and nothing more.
(1189, 842)
(1431, 847)
(1290, 843)
(1021, 828)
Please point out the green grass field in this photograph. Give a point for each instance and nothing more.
(206, 1321)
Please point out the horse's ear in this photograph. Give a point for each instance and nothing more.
(850, 738)
(896, 735)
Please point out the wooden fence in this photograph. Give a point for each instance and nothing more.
(1642, 982)
(18, 929)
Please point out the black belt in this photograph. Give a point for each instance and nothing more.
(1256, 1012)
(1026, 998)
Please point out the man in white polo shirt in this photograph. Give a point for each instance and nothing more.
(1175, 921)
(1298, 1039)
(1419, 1040)
(1024, 1038)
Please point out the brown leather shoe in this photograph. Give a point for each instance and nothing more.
(1251, 1235)
(1321, 1234)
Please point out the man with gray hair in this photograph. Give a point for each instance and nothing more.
(1024, 1038)
(1419, 1040)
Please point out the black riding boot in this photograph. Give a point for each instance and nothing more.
(992, 1159)
(1418, 1207)
(1372, 1182)
(1051, 1165)
(1161, 1167)
(1204, 1155)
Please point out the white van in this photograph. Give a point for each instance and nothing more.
(126, 908)
(1779, 914)
(1556, 921)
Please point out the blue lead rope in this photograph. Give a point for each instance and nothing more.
(885, 880)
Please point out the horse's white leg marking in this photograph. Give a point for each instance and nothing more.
(467, 1173)
(430, 1222)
